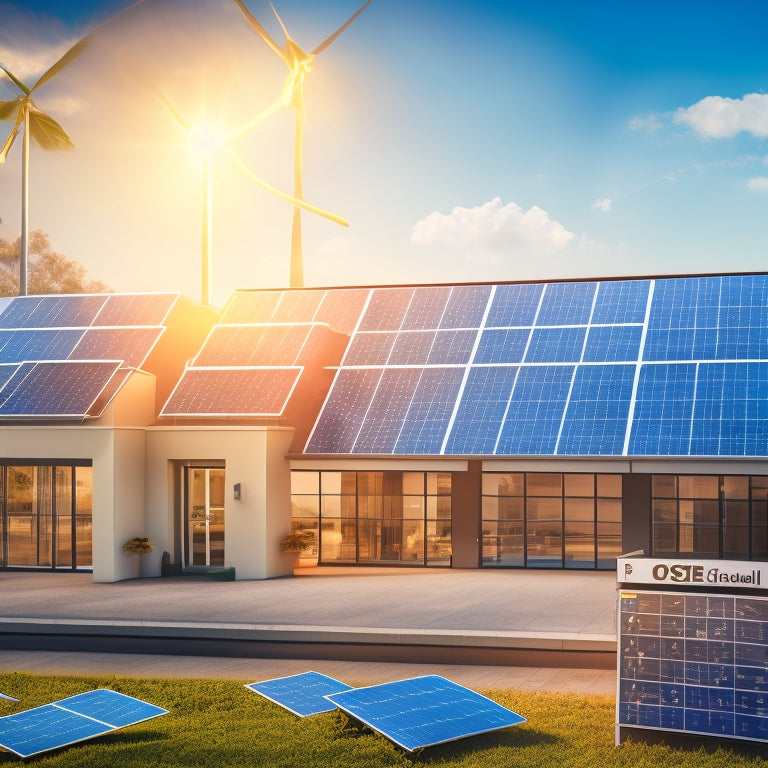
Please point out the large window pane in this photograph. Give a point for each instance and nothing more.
(664, 486)
(579, 545)
(736, 487)
(579, 485)
(305, 482)
(699, 486)
(63, 517)
(580, 509)
(503, 484)
(84, 515)
(544, 485)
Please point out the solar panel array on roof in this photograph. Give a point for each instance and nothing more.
(672, 366)
(303, 694)
(251, 362)
(59, 354)
(72, 720)
(424, 711)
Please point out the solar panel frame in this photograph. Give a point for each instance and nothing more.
(303, 694)
(73, 720)
(378, 706)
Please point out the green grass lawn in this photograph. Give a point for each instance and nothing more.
(221, 723)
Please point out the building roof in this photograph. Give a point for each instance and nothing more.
(672, 366)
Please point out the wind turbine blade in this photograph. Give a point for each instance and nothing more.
(280, 21)
(329, 40)
(263, 34)
(8, 109)
(46, 132)
(71, 54)
(300, 203)
(15, 80)
(251, 124)
(11, 137)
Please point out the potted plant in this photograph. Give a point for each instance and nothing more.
(138, 545)
(297, 541)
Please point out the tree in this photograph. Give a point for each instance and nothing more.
(49, 272)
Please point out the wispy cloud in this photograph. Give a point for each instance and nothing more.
(758, 184)
(718, 117)
(647, 123)
(493, 230)
(603, 204)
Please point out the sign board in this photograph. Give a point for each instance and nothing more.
(693, 573)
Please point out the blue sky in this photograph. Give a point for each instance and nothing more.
(486, 141)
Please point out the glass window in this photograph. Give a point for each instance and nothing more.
(699, 486)
(736, 487)
(544, 485)
(499, 484)
(664, 486)
(609, 485)
(305, 482)
(580, 485)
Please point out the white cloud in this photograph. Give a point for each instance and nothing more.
(758, 184)
(648, 123)
(492, 230)
(718, 118)
(603, 204)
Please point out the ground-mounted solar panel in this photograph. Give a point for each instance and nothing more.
(131, 345)
(247, 392)
(424, 711)
(303, 694)
(72, 720)
(61, 389)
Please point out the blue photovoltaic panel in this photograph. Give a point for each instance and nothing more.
(297, 306)
(253, 345)
(621, 301)
(389, 408)
(341, 309)
(731, 413)
(424, 711)
(466, 306)
(613, 343)
(72, 720)
(6, 372)
(514, 305)
(426, 308)
(596, 418)
(481, 412)
(251, 307)
(344, 411)
(232, 392)
(502, 345)
(369, 349)
(66, 389)
(412, 348)
(135, 309)
(302, 694)
(535, 410)
(663, 410)
(26, 345)
(566, 304)
(430, 411)
(131, 345)
(386, 309)
(452, 348)
(51, 311)
(556, 345)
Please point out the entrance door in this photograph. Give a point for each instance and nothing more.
(204, 520)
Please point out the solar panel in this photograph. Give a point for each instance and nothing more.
(621, 301)
(51, 311)
(555, 345)
(386, 309)
(369, 349)
(302, 694)
(251, 307)
(424, 711)
(566, 304)
(72, 720)
(412, 348)
(452, 348)
(612, 343)
(6, 697)
(56, 389)
(31, 345)
(341, 309)
(232, 392)
(514, 305)
(502, 345)
(426, 308)
(131, 345)
(466, 306)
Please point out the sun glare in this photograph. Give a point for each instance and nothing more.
(203, 138)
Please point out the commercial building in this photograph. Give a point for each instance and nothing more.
(536, 425)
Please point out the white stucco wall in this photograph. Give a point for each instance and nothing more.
(254, 525)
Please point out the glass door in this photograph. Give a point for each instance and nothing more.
(204, 519)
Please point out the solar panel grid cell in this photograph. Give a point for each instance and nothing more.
(555, 345)
(33, 345)
(502, 345)
(566, 304)
(412, 348)
(303, 694)
(341, 309)
(612, 343)
(514, 305)
(386, 309)
(251, 307)
(369, 349)
(135, 309)
(452, 348)
(466, 306)
(131, 345)
(426, 308)
(622, 301)
(297, 306)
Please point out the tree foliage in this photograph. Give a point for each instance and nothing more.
(49, 272)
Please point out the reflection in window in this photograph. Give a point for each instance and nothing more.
(551, 520)
(390, 517)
